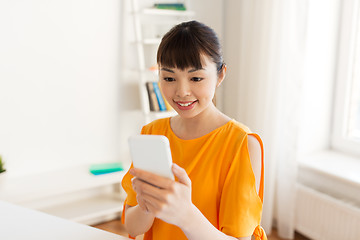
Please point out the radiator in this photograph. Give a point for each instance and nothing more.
(323, 217)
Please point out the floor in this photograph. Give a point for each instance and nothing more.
(115, 226)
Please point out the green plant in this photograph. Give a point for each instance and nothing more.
(2, 169)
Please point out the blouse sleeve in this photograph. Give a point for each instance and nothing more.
(127, 186)
(240, 205)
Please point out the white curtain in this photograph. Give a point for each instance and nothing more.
(264, 47)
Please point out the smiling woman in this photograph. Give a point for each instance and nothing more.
(207, 147)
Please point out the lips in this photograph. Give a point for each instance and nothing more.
(185, 105)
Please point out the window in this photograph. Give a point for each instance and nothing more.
(354, 107)
(346, 125)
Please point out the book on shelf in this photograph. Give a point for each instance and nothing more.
(153, 102)
(170, 6)
(104, 168)
(159, 97)
(168, 106)
(157, 101)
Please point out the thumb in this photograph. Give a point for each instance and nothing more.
(181, 175)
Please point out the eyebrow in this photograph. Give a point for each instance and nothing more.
(190, 71)
(167, 70)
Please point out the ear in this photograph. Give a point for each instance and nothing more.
(221, 75)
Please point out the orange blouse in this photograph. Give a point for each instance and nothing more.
(223, 183)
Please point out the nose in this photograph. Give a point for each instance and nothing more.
(183, 89)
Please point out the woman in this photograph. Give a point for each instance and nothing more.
(218, 162)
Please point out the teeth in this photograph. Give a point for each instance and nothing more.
(185, 104)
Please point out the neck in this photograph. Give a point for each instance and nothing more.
(201, 119)
(189, 128)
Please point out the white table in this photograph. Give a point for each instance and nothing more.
(17, 223)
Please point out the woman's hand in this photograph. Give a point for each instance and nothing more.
(166, 199)
(170, 201)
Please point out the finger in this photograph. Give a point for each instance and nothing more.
(133, 184)
(181, 174)
(151, 178)
(153, 205)
(141, 203)
(145, 188)
(140, 199)
(145, 208)
(139, 185)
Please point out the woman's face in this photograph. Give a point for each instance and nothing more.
(190, 91)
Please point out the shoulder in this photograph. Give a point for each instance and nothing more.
(237, 130)
(240, 126)
(234, 137)
(241, 129)
(156, 127)
(250, 141)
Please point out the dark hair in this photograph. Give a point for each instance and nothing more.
(184, 44)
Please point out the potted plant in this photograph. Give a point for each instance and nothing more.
(2, 172)
(2, 169)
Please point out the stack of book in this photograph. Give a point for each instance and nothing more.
(170, 6)
(156, 100)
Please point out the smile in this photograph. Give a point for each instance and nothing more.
(186, 105)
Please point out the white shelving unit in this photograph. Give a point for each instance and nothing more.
(164, 12)
(72, 193)
(90, 211)
(145, 18)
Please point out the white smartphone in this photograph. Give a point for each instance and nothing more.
(152, 153)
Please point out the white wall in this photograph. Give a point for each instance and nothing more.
(63, 98)
(59, 72)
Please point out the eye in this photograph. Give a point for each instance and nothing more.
(169, 79)
(196, 79)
